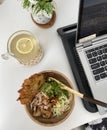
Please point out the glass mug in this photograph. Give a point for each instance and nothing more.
(25, 47)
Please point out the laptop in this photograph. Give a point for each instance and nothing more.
(91, 46)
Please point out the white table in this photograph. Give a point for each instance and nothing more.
(12, 18)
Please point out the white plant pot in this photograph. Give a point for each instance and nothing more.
(42, 17)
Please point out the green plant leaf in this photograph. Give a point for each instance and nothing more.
(48, 8)
(26, 4)
(36, 8)
(39, 5)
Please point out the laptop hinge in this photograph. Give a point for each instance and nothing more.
(87, 38)
(86, 41)
(84, 44)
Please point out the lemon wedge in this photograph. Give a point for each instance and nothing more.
(24, 45)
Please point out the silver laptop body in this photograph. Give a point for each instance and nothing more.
(93, 56)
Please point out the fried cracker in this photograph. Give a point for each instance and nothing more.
(30, 88)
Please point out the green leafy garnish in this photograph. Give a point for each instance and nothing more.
(52, 88)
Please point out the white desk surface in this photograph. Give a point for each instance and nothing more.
(12, 18)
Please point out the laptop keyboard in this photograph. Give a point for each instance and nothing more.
(97, 58)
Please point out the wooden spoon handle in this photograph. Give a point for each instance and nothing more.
(85, 97)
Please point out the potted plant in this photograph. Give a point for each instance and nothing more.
(42, 11)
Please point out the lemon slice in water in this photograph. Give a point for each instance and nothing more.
(24, 45)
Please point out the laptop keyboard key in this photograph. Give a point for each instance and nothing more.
(93, 60)
(102, 63)
(94, 54)
(106, 61)
(97, 77)
(98, 71)
(104, 56)
(97, 48)
(99, 58)
(91, 50)
(89, 55)
(100, 52)
(105, 50)
(103, 75)
(95, 66)
(106, 68)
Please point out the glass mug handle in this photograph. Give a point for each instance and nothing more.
(5, 56)
(1, 1)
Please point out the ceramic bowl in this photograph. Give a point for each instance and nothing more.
(55, 120)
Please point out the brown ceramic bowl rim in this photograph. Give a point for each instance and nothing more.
(71, 109)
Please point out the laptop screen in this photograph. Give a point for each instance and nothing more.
(92, 18)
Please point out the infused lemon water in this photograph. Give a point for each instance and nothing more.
(25, 47)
